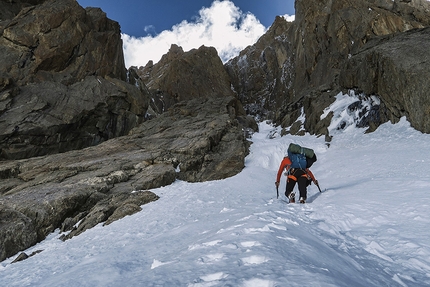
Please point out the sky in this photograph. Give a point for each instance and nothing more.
(368, 226)
(150, 27)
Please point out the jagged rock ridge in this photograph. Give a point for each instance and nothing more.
(321, 46)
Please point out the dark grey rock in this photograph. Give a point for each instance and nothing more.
(302, 64)
(62, 78)
(197, 140)
(396, 68)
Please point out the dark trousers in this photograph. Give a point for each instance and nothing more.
(301, 180)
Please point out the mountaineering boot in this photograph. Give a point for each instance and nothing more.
(292, 197)
(302, 200)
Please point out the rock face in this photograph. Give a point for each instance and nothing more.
(181, 76)
(50, 117)
(197, 140)
(395, 67)
(61, 79)
(313, 52)
(262, 73)
(59, 41)
(63, 99)
(327, 33)
(205, 139)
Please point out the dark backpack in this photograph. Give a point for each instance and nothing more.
(301, 157)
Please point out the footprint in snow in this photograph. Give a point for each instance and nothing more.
(204, 245)
(258, 282)
(254, 260)
(209, 279)
(209, 258)
(248, 244)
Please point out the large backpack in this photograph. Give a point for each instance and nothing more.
(301, 157)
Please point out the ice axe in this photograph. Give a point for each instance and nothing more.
(316, 183)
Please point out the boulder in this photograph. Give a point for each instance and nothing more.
(16, 232)
(108, 210)
(22, 256)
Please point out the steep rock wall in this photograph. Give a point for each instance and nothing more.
(315, 48)
(397, 68)
(62, 79)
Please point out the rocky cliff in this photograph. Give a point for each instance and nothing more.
(262, 74)
(318, 55)
(181, 76)
(62, 79)
(76, 145)
(397, 68)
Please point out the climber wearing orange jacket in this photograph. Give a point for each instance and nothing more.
(302, 176)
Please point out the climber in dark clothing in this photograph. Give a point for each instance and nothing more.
(302, 176)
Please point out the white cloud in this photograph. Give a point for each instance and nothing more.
(222, 26)
(149, 29)
(291, 18)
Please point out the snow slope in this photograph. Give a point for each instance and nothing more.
(369, 226)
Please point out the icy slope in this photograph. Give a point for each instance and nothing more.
(368, 228)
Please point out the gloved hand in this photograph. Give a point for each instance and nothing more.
(277, 184)
(316, 182)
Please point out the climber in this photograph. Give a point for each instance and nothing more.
(303, 176)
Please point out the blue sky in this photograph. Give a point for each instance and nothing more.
(150, 27)
(138, 17)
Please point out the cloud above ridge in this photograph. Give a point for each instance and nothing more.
(222, 25)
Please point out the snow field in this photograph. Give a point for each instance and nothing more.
(369, 226)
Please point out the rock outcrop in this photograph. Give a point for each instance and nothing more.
(50, 117)
(59, 41)
(67, 103)
(395, 67)
(62, 78)
(262, 74)
(313, 52)
(181, 76)
(197, 140)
